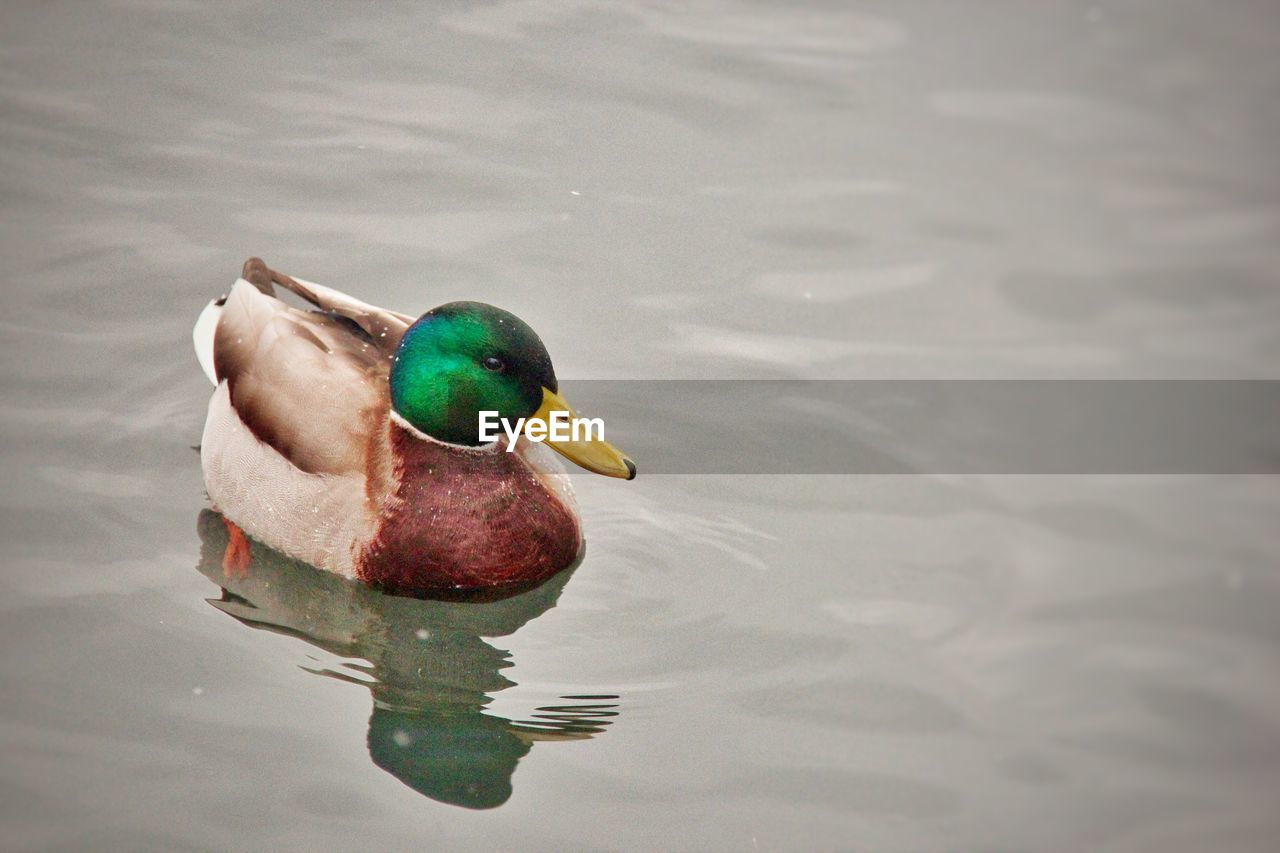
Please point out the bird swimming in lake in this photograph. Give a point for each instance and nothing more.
(347, 437)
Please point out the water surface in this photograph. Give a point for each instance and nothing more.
(776, 190)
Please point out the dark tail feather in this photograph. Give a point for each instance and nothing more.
(255, 272)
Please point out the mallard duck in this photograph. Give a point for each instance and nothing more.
(347, 437)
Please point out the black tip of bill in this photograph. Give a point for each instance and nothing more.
(631, 468)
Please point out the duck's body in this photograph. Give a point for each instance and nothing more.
(304, 450)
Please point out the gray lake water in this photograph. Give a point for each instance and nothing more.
(938, 189)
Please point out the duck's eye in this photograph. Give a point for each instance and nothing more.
(494, 363)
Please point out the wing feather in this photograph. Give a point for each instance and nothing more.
(384, 328)
(304, 382)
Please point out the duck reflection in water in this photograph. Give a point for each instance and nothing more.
(430, 672)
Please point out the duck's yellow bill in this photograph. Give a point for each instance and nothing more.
(587, 447)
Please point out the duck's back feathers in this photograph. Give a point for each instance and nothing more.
(384, 328)
(301, 381)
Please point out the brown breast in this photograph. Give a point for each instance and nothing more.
(460, 518)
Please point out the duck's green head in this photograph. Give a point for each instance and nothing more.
(463, 358)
